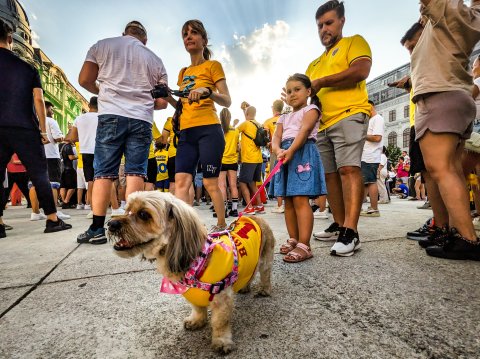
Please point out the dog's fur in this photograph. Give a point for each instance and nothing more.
(164, 229)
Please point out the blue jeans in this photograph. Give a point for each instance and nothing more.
(118, 135)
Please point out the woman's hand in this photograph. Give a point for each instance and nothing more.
(196, 94)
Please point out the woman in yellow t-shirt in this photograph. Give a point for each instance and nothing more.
(201, 137)
(229, 162)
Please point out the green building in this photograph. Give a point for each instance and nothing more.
(68, 102)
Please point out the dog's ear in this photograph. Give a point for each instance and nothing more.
(187, 235)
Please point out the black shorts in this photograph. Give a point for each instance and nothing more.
(87, 159)
(54, 171)
(152, 171)
(69, 179)
(171, 169)
(204, 145)
(369, 172)
(230, 167)
(250, 172)
(416, 157)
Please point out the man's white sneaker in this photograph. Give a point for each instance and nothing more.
(62, 215)
(80, 206)
(87, 207)
(476, 223)
(347, 243)
(117, 212)
(89, 215)
(384, 201)
(37, 216)
(279, 209)
(330, 234)
(370, 212)
(320, 214)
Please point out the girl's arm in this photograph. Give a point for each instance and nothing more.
(222, 97)
(308, 123)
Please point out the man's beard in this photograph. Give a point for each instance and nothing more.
(333, 40)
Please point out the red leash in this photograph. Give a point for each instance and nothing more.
(262, 187)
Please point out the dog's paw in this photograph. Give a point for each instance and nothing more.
(193, 324)
(245, 290)
(262, 293)
(222, 345)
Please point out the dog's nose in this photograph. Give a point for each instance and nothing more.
(114, 225)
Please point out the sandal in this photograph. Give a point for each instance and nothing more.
(289, 246)
(298, 256)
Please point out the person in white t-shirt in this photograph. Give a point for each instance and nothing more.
(371, 157)
(122, 71)
(52, 153)
(84, 131)
(383, 192)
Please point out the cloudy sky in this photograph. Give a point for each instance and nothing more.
(259, 42)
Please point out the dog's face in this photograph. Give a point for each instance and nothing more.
(160, 227)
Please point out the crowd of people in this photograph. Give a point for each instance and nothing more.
(329, 139)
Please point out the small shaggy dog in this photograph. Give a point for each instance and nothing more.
(160, 227)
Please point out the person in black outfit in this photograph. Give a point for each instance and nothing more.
(22, 126)
(68, 182)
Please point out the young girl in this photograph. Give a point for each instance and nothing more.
(301, 176)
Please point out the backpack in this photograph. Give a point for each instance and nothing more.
(261, 136)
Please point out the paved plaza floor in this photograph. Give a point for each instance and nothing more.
(59, 299)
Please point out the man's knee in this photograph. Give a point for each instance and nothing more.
(349, 170)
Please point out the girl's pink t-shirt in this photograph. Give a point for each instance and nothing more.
(292, 122)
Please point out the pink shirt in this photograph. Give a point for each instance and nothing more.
(292, 122)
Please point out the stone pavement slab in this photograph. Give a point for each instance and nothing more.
(390, 300)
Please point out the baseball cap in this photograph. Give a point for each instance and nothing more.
(136, 24)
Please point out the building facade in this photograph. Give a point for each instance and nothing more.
(68, 102)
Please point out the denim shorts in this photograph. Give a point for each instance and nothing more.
(118, 135)
(302, 176)
(369, 172)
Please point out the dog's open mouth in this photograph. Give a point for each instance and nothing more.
(124, 245)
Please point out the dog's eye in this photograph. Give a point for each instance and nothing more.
(144, 215)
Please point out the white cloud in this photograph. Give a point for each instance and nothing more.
(33, 16)
(35, 39)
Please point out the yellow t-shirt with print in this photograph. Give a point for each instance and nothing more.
(162, 158)
(248, 240)
(230, 154)
(249, 151)
(412, 110)
(172, 150)
(341, 102)
(155, 134)
(206, 75)
(79, 155)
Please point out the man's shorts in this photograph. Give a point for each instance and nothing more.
(201, 144)
(250, 172)
(152, 171)
(69, 179)
(445, 112)
(54, 170)
(341, 145)
(118, 135)
(162, 186)
(88, 166)
(369, 172)
(416, 157)
(171, 169)
(230, 167)
(81, 183)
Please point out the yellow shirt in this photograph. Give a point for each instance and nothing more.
(155, 134)
(270, 126)
(341, 102)
(248, 240)
(79, 155)
(193, 77)
(230, 154)
(249, 151)
(412, 109)
(162, 158)
(172, 150)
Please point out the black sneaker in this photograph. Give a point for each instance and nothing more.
(314, 207)
(423, 232)
(2, 232)
(437, 238)
(347, 243)
(226, 214)
(456, 247)
(68, 206)
(330, 234)
(92, 237)
(229, 205)
(57, 226)
(233, 213)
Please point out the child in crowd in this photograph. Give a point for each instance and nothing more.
(302, 176)
(401, 189)
(161, 156)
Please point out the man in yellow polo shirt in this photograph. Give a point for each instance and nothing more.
(338, 78)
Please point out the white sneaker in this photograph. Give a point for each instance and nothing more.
(384, 201)
(80, 206)
(122, 204)
(117, 212)
(37, 216)
(62, 215)
(279, 209)
(320, 214)
(89, 215)
(370, 212)
(346, 245)
(330, 234)
(476, 223)
(87, 207)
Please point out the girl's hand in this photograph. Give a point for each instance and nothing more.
(196, 94)
(287, 156)
(280, 154)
